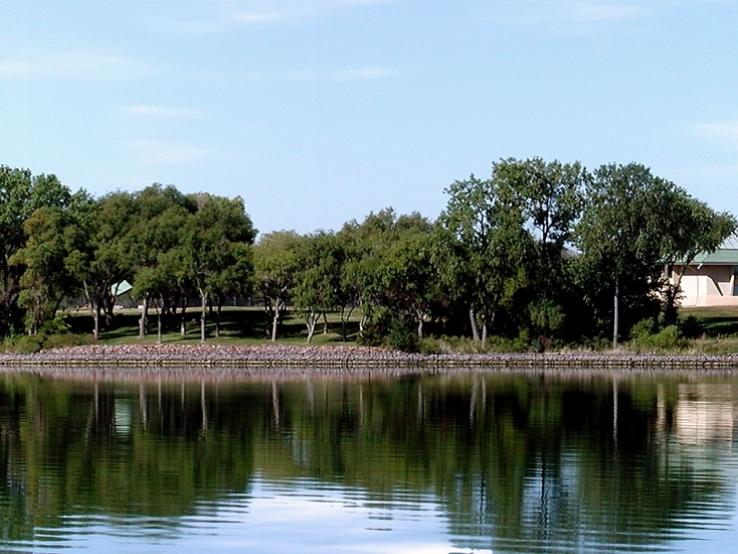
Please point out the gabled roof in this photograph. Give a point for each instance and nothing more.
(726, 254)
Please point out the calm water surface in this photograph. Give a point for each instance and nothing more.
(427, 464)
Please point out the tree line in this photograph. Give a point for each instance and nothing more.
(537, 249)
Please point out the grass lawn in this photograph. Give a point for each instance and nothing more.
(237, 326)
(249, 326)
(718, 321)
(720, 326)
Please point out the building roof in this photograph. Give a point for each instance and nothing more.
(726, 254)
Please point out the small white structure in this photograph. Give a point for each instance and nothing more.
(711, 279)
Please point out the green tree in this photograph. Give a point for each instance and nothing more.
(318, 286)
(408, 276)
(277, 263)
(213, 240)
(46, 277)
(620, 237)
(100, 257)
(691, 228)
(161, 213)
(485, 221)
(552, 194)
(21, 193)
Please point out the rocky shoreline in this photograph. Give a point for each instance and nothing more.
(345, 358)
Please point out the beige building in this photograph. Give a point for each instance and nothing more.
(711, 279)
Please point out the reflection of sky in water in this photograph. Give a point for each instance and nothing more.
(308, 516)
(285, 516)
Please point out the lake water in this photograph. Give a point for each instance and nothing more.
(471, 462)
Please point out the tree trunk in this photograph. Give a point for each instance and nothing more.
(108, 306)
(345, 318)
(672, 293)
(421, 321)
(473, 323)
(96, 330)
(616, 314)
(183, 318)
(325, 323)
(217, 318)
(275, 324)
(203, 314)
(311, 321)
(158, 322)
(142, 322)
(484, 334)
(95, 314)
(268, 315)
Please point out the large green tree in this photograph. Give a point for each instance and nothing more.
(47, 277)
(691, 228)
(277, 263)
(213, 242)
(21, 193)
(318, 287)
(161, 214)
(484, 219)
(633, 224)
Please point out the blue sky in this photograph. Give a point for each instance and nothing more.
(318, 111)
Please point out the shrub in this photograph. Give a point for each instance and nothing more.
(643, 329)
(466, 345)
(26, 344)
(667, 338)
(67, 339)
(56, 326)
(691, 328)
(401, 336)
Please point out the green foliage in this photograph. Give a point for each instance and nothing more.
(21, 194)
(643, 329)
(56, 326)
(647, 334)
(691, 327)
(466, 345)
(484, 221)
(546, 317)
(23, 344)
(537, 248)
(44, 340)
(401, 336)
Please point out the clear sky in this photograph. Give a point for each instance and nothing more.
(318, 111)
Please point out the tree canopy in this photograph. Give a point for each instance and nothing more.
(538, 250)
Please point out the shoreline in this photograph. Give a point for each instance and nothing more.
(346, 358)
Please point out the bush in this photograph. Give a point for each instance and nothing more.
(67, 339)
(466, 345)
(401, 336)
(30, 344)
(643, 329)
(26, 344)
(56, 326)
(667, 338)
(691, 328)
(449, 345)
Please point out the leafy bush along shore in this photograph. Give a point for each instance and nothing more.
(538, 256)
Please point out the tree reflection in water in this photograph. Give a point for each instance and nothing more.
(517, 462)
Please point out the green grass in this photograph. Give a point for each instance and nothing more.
(717, 321)
(248, 326)
(238, 326)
